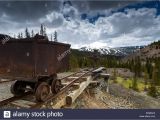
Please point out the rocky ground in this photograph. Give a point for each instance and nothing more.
(5, 90)
(124, 72)
(141, 99)
(98, 98)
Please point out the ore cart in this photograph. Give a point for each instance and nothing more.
(33, 63)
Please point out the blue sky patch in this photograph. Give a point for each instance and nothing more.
(146, 4)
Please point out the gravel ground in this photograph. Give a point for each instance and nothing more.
(140, 99)
(5, 90)
(5, 87)
(98, 98)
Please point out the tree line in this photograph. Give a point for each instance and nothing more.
(149, 69)
(42, 31)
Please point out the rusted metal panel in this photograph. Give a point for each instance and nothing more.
(42, 59)
(30, 58)
(14, 59)
(62, 56)
(50, 63)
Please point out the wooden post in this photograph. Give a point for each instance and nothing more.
(73, 96)
(106, 78)
(59, 104)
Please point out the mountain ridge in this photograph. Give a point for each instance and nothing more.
(118, 51)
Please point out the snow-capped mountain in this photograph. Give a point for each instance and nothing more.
(119, 51)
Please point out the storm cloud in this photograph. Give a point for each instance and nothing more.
(94, 24)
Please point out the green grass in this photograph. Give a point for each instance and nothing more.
(158, 90)
(128, 83)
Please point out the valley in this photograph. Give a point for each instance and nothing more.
(139, 70)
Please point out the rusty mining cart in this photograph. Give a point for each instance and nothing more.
(33, 64)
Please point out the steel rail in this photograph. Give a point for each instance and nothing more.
(70, 75)
(11, 99)
(64, 89)
(50, 97)
(5, 81)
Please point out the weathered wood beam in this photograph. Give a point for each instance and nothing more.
(76, 77)
(105, 76)
(78, 84)
(73, 96)
(75, 84)
(71, 78)
(59, 104)
(99, 70)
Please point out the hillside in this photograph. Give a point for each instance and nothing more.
(150, 51)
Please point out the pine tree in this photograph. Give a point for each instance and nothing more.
(134, 83)
(137, 67)
(19, 36)
(32, 33)
(146, 77)
(154, 75)
(157, 72)
(27, 34)
(114, 75)
(42, 30)
(73, 62)
(149, 68)
(51, 37)
(152, 90)
(55, 36)
(132, 65)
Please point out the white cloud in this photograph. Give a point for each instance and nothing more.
(139, 26)
(97, 45)
(53, 19)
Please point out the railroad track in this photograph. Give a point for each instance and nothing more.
(11, 99)
(28, 100)
(5, 81)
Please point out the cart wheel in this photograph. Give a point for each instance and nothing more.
(54, 77)
(32, 86)
(56, 86)
(42, 91)
(18, 88)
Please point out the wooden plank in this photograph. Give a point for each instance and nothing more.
(23, 103)
(73, 96)
(99, 70)
(75, 84)
(76, 77)
(59, 104)
(78, 84)
(105, 76)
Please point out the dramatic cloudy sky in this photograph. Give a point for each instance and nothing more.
(95, 24)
